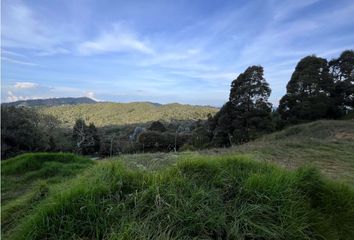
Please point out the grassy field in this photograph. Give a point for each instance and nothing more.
(253, 191)
(106, 114)
(326, 145)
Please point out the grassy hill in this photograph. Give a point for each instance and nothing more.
(235, 193)
(327, 145)
(104, 114)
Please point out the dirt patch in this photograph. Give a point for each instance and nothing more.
(344, 135)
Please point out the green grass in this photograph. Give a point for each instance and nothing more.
(26, 179)
(199, 198)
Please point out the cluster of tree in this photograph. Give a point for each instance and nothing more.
(24, 130)
(318, 89)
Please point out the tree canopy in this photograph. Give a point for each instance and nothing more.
(247, 113)
(308, 93)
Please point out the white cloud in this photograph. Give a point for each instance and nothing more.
(91, 95)
(5, 52)
(15, 61)
(118, 39)
(25, 85)
(11, 97)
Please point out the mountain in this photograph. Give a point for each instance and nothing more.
(50, 102)
(108, 113)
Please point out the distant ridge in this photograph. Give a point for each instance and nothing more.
(110, 113)
(50, 102)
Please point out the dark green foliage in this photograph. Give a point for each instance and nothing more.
(200, 137)
(157, 126)
(308, 95)
(247, 114)
(157, 141)
(209, 198)
(24, 130)
(19, 131)
(85, 138)
(342, 70)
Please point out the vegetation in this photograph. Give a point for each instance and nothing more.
(247, 114)
(108, 114)
(319, 89)
(26, 179)
(24, 130)
(326, 144)
(86, 139)
(216, 193)
(204, 198)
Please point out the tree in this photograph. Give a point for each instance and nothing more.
(342, 71)
(247, 114)
(157, 126)
(20, 131)
(85, 138)
(249, 100)
(308, 95)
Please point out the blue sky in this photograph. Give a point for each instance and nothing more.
(162, 51)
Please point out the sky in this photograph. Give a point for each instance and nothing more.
(185, 51)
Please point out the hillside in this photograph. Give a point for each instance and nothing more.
(50, 102)
(105, 114)
(326, 144)
(200, 198)
(190, 195)
(235, 193)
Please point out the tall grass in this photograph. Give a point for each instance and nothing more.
(38, 161)
(200, 198)
(26, 180)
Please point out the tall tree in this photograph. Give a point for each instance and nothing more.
(308, 95)
(249, 103)
(247, 114)
(342, 71)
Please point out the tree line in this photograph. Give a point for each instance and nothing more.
(318, 89)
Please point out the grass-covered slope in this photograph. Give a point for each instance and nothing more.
(206, 198)
(326, 144)
(104, 114)
(26, 179)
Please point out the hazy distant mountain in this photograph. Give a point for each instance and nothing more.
(50, 102)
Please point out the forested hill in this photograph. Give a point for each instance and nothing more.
(104, 114)
(50, 102)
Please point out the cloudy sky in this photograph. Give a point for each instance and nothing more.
(162, 51)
